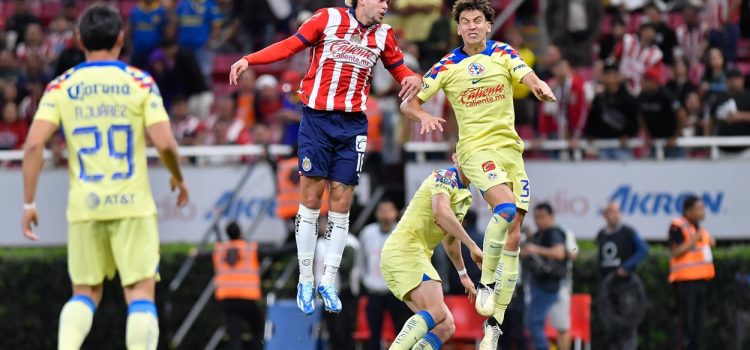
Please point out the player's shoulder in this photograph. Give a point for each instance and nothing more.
(447, 176)
(449, 61)
(58, 82)
(501, 49)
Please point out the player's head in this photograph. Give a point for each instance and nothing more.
(387, 213)
(474, 18)
(693, 209)
(373, 11)
(233, 231)
(100, 29)
(611, 213)
(544, 216)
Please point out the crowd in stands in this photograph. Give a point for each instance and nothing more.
(621, 69)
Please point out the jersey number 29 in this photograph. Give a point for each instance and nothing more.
(113, 152)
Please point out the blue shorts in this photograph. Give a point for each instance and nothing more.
(332, 145)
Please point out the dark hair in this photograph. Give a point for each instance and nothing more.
(546, 207)
(689, 202)
(482, 6)
(233, 230)
(99, 27)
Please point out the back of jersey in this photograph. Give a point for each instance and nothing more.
(104, 108)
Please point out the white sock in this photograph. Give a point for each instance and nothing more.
(306, 233)
(335, 240)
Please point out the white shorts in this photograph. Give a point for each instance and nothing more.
(559, 314)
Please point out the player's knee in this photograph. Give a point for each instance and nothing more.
(311, 201)
(448, 326)
(506, 211)
(438, 314)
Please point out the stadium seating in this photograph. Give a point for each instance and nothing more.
(580, 321)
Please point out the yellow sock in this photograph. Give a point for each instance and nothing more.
(142, 331)
(506, 277)
(494, 240)
(75, 322)
(414, 329)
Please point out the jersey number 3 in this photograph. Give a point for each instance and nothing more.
(113, 152)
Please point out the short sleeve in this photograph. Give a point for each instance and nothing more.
(311, 30)
(153, 109)
(513, 62)
(442, 181)
(49, 108)
(433, 80)
(675, 235)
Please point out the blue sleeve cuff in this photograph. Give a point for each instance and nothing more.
(304, 41)
(391, 66)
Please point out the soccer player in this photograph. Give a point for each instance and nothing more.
(434, 214)
(345, 45)
(477, 78)
(105, 107)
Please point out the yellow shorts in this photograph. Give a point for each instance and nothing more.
(98, 249)
(404, 268)
(488, 168)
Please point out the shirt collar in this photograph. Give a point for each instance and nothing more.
(354, 14)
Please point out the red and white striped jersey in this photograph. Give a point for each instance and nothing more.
(690, 41)
(636, 59)
(716, 13)
(342, 56)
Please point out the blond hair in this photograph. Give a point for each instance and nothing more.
(349, 3)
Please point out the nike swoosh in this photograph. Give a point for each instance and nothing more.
(524, 201)
(476, 81)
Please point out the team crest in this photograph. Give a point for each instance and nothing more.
(476, 69)
(306, 164)
(92, 201)
(492, 176)
(356, 38)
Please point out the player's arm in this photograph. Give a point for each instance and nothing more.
(453, 249)
(413, 110)
(540, 88)
(447, 220)
(33, 159)
(165, 143)
(393, 60)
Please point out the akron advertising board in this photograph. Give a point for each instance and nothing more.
(650, 193)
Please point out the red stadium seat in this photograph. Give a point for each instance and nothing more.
(362, 333)
(467, 320)
(580, 321)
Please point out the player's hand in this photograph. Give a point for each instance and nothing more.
(543, 92)
(477, 255)
(237, 69)
(430, 123)
(469, 288)
(30, 216)
(182, 197)
(410, 87)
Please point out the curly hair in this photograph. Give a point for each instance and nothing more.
(482, 6)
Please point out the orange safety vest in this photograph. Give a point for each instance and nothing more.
(696, 263)
(288, 196)
(236, 268)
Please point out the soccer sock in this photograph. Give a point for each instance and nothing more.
(142, 330)
(430, 341)
(494, 239)
(306, 233)
(505, 283)
(335, 240)
(414, 329)
(75, 322)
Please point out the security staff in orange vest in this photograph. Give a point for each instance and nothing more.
(690, 268)
(238, 287)
(288, 195)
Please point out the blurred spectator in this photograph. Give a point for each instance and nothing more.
(441, 40)
(199, 23)
(566, 118)
(238, 288)
(715, 79)
(693, 121)
(60, 36)
(12, 129)
(177, 72)
(27, 107)
(70, 57)
(723, 17)
(35, 69)
(680, 85)
(620, 250)
(9, 71)
(379, 298)
(546, 258)
(291, 112)
(732, 109)
(691, 34)
(550, 58)
(185, 126)
(608, 41)
(16, 25)
(691, 270)
(268, 100)
(260, 134)
(658, 112)
(10, 93)
(559, 314)
(228, 40)
(223, 127)
(34, 45)
(257, 23)
(341, 326)
(665, 36)
(417, 18)
(244, 98)
(573, 25)
(613, 114)
(637, 54)
(70, 11)
(524, 102)
(148, 23)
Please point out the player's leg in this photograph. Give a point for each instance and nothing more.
(135, 248)
(89, 262)
(314, 163)
(426, 300)
(349, 135)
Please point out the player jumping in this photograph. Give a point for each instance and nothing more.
(345, 45)
(478, 80)
(104, 107)
(434, 215)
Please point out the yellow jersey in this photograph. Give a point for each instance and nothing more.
(418, 225)
(104, 108)
(480, 90)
